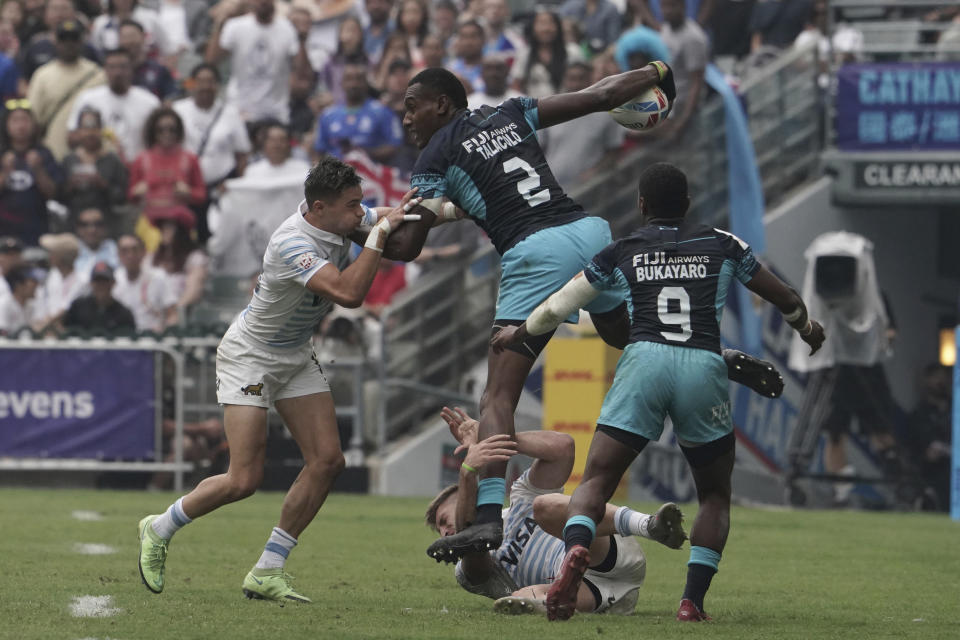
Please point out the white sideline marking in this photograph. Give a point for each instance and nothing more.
(93, 607)
(93, 549)
(87, 516)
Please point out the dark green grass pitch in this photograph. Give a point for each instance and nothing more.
(785, 574)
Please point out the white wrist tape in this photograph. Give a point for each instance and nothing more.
(555, 309)
(449, 211)
(377, 238)
(794, 315)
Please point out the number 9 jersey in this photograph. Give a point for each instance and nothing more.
(675, 275)
(489, 163)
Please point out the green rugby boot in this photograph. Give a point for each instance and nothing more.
(153, 555)
(271, 584)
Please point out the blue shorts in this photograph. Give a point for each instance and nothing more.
(542, 263)
(655, 380)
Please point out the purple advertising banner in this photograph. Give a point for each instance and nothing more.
(60, 403)
(898, 106)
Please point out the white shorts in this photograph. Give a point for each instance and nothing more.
(251, 375)
(619, 587)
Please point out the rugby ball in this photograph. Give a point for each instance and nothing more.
(644, 112)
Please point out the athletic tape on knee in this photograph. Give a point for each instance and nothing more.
(705, 556)
(491, 491)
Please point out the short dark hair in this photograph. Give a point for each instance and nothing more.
(206, 66)
(578, 64)
(112, 53)
(400, 64)
(442, 82)
(20, 273)
(664, 190)
(475, 24)
(129, 22)
(328, 179)
(430, 518)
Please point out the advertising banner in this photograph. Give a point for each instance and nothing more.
(58, 403)
(898, 106)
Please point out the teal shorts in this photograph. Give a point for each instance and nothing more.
(655, 380)
(542, 263)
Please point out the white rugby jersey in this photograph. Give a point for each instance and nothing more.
(283, 312)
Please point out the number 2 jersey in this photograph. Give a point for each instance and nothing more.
(488, 162)
(675, 275)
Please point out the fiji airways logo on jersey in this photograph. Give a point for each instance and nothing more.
(490, 143)
(657, 266)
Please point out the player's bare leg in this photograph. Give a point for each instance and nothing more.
(607, 461)
(708, 536)
(506, 373)
(665, 526)
(313, 425)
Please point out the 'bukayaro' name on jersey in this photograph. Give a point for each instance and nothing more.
(675, 277)
(489, 144)
(283, 312)
(489, 163)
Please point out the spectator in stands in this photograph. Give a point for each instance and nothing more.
(413, 21)
(173, 22)
(95, 176)
(396, 48)
(496, 73)
(124, 108)
(729, 27)
(184, 262)
(147, 72)
(42, 48)
(380, 27)
(501, 39)
(306, 104)
(445, 16)
(448, 244)
(777, 23)
(63, 283)
(9, 71)
(105, 30)
(538, 72)
(11, 255)
(95, 246)
(17, 309)
(165, 174)
(597, 20)
(215, 133)
(360, 122)
(930, 435)
(264, 48)
(32, 22)
(326, 16)
(394, 91)
(579, 148)
(56, 84)
(277, 160)
(144, 289)
(638, 47)
(99, 313)
(11, 15)
(433, 52)
(390, 280)
(689, 55)
(469, 47)
(350, 50)
(29, 175)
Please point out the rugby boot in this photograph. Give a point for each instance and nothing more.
(562, 596)
(475, 538)
(153, 555)
(271, 584)
(757, 374)
(688, 612)
(515, 606)
(666, 526)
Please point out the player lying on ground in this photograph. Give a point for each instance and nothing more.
(266, 358)
(676, 274)
(518, 574)
(489, 164)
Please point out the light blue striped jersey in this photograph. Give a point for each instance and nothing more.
(283, 312)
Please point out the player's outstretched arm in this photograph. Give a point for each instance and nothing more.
(775, 291)
(609, 93)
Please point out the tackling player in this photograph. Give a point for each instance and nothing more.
(266, 358)
(675, 274)
(489, 164)
(518, 574)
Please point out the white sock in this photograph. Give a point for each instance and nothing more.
(632, 523)
(171, 520)
(276, 550)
